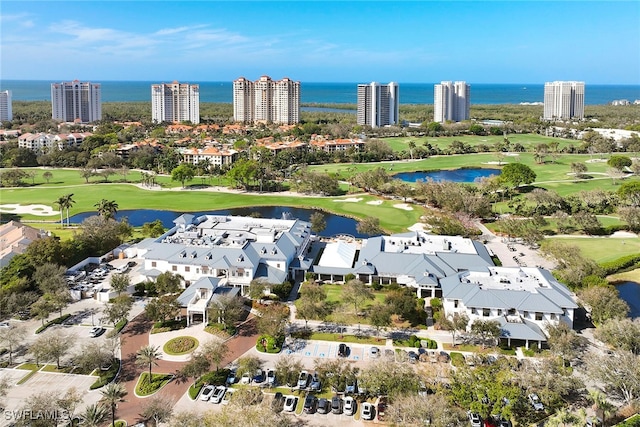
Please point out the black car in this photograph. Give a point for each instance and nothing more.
(310, 404)
(336, 405)
(343, 350)
(323, 406)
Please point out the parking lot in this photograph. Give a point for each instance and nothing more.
(324, 349)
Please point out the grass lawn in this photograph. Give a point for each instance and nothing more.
(334, 295)
(602, 249)
(180, 345)
(53, 368)
(628, 276)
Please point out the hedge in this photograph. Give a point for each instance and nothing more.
(56, 321)
(107, 376)
(633, 421)
(616, 265)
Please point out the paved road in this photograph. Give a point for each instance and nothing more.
(136, 336)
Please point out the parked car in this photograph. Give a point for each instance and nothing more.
(207, 392)
(350, 405)
(343, 350)
(271, 377)
(413, 357)
(504, 423)
(535, 402)
(218, 394)
(310, 404)
(382, 407)
(246, 378)
(323, 406)
(352, 386)
(336, 405)
(374, 352)
(366, 411)
(227, 396)
(96, 331)
(303, 379)
(4, 324)
(316, 385)
(277, 404)
(231, 378)
(475, 419)
(290, 403)
(258, 376)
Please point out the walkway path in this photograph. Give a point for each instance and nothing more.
(136, 336)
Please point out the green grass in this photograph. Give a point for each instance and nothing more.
(180, 345)
(26, 377)
(29, 366)
(105, 377)
(194, 390)
(326, 336)
(627, 276)
(56, 321)
(602, 249)
(54, 368)
(334, 295)
(146, 388)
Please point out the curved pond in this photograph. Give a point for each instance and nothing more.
(630, 292)
(453, 175)
(336, 224)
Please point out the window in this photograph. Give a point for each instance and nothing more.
(525, 314)
(278, 265)
(455, 303)
(174, 268)
(553, 316)
(153, 263)
(511, 312)
(486, 312)
(473, 311)
(499, 312)
(187, 268)
(538, 315)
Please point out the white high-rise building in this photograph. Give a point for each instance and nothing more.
(451, 102)
(6, 114)
(76, 101)
(266, 100)
(378, 105)
(175, 102)
(563, 100)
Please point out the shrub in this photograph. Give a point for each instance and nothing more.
(56, 321)
(376, 286)
(146, 387)
(282, 290)
(107, 376)
(616, 265)
(273, 345)
(180, 345)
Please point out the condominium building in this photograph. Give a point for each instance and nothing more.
(451, 102)
(76, 101)
(378, 105)
(266, 100)
(563, 100)
(175, 102)
(6, 115)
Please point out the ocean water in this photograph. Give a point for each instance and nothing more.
(322, 93)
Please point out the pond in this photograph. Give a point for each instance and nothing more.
(336, 224)
(455, 175)
(630, 292)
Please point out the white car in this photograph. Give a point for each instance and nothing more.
(350, 405)
(271, 377)
(303, 379)
(227, 396)
(290, 403)
(207, 392)
(246, 378)
(366, 411)
(535, 402)
(218, 394)
(96, 331)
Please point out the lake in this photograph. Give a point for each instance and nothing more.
(336, 224)
(467, 175)
(630, 292)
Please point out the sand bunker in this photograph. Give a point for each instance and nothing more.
(419, 226)
(404, 206)
(374, 202)
(39, 210)
(596, 161)
(350, 200)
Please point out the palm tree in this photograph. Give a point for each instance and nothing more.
(148, 356)
(68, 203)
(61, 203)
(112, 394)
(107, 208)
(94, 415)
(601, 404)
(412, 146)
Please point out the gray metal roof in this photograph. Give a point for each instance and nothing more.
(521, 331)
(210, 283)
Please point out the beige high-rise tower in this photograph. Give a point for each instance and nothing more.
(175, 102)
(266, 100)
(76, 101)
(563, 100)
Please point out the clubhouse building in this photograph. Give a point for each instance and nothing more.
(217, 254)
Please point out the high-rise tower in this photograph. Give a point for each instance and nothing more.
(76, 101)
(451, 102)
(378, 105)
(563, 100)
(175, 102)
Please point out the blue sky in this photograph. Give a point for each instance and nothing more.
(321, 41)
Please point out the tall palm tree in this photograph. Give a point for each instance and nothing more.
(107, 208)
(94, 415)
(148, 356)
(68, 203)
(112, 394)
(61, 202)
(601, 404)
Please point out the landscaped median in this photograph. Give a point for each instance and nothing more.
(56, 321)
(145, 388)
(180, 345)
